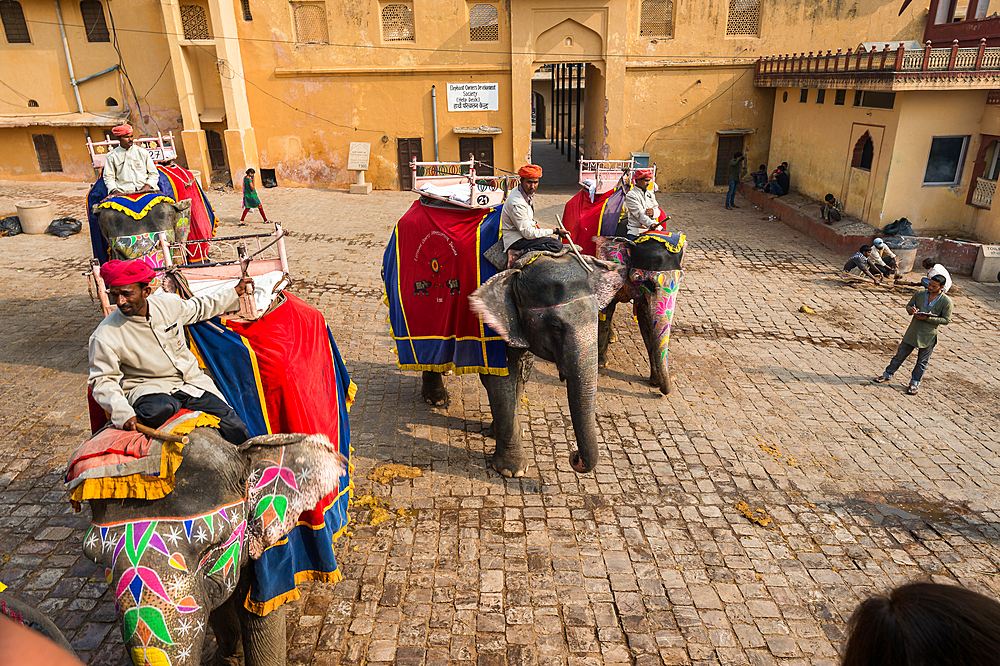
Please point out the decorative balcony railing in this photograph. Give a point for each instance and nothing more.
(930, 60)
(982, 195)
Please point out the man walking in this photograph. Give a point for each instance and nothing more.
(929, 308)
(735, 170)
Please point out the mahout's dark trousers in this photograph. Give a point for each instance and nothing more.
(154, 409)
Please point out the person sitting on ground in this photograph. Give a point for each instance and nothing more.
(861, 260)
(779, 183)
(760, 177)
(919, 624)
(936, 269)
(735, 171)
(884, 260)
(517, 219)
(129, 168)
(141, 370)
(643, 211)
(832, 210)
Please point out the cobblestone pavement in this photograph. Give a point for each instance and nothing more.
(645, 561)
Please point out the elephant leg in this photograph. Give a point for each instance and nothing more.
(225, 625)
(505, 402)
(604, 333)
(655, 348)
(264, 641)
(432, 389)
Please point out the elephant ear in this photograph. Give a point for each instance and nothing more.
(494, 302)
(288, 474)
(605, 280)
(614, 248)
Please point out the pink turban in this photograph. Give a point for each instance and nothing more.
(642, 173)
(530, 171)
(122, 130)
(120, 273)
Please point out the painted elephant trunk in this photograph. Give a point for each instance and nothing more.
(655, 312)
(579, 367)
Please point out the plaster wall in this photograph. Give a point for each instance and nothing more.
(818, 142)
(922, 116)
(39, 71)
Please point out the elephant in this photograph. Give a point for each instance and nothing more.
(652, 278)
(545, 305)
(130, 238)
(179, 562)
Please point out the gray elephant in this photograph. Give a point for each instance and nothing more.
(179, 564)
(652, 278)
(130, 238)
(547, 306)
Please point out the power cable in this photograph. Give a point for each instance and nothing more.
(124, 71)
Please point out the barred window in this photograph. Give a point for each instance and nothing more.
(93, 21)
(194, 22)
(397, 23)
(48, 153)
(14, 26)
(310, 23)
(744, 18)
(484, 23)
(656, 18)
(245, 4)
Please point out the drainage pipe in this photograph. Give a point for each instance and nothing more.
(100, 73)
(434, 118)
(69, 60)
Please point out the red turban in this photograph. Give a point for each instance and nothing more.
(530, 171)
(122, 130)
(642, 173)
(120, 273)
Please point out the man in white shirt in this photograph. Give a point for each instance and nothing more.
(129, 168)
(885, 259)
(936, 269)
(643, 211)
(517, 219)
(141, 369)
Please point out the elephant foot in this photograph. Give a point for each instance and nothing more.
(664, 385)
(602, 361)
(510, 465)
(432, 389)
(613, 336)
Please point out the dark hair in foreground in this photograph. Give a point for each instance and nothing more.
(925, 624)
(929, 263)
(939, 279)
(829, 197)
(865, 249)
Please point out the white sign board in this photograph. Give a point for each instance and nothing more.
(357, 159)
(473, 96)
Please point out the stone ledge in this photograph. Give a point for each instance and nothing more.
(846, 236)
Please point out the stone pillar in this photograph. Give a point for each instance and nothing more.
(241, 142)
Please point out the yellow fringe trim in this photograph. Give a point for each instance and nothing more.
(136, 216)
(266, 607)
(674, 249)
(135, 486)
(470, 370)
(352, 391)
(203, 421)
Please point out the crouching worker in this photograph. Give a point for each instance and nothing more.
(517, 219)
(141, 369)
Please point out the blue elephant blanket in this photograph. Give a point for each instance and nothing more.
(433, 262)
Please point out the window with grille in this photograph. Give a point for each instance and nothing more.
(484, 23)
(93, 21)
(14, 26)
(397, 23)
(803, 95)
(310, 23)
(656, 18)
(839, 97)
(48, 153)
(821, 96)
(194, 22)
(245, 5)
(744, 18)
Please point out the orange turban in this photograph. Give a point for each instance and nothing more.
(122, 130)
(120, 273)
(642, 173)
(530, 171)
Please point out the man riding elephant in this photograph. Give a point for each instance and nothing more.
(141, 369)
(129, 168)
(517, 221)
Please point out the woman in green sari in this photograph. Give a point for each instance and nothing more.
(250, 198)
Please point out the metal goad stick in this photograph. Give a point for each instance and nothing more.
(572, 246)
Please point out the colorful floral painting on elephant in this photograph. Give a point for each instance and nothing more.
(652, 279)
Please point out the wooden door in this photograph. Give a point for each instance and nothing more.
(408, 149)
(216, 153)
(482, 148)
(728, 145)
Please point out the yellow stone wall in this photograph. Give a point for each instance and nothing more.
(39, 71)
